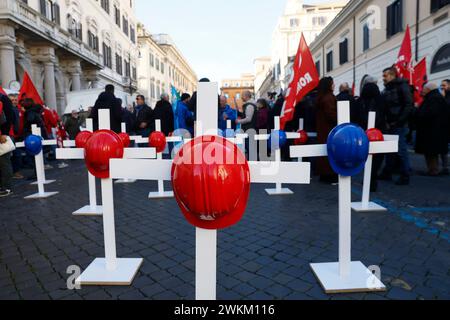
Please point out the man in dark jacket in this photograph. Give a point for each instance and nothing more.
(6, 171)
(107, 100)
(33, 116)
(145, 119)
(432, 126)
(164, 112)
(72, 125)
(345, 94)
(399, 107)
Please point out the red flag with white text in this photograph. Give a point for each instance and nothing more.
(404, 64)
(420, 79)
(28, 90)
(304, 79)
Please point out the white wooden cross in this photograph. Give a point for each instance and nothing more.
(261, 172)
(366, 205)
(161, 193)
(109, 270)
(132, 138)
(279, 190)
(39, 163)
(345, 276)
(92, 209)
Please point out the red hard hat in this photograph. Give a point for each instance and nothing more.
(303, 138)
(375, 135)
(158, 141)
(103, 146)
(82, 138)
(125, 139)
(211, 182)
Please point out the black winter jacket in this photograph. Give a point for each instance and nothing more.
(399, 103)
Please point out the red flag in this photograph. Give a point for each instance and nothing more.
(304, 79)
(420, 79)
(2, 91)
(404, 60)
(28, 90)
(353, 89)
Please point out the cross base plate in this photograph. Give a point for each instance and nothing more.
(372, 207)
(44, 195)
(97, 274)
(282, 192)
(89, 211)
(45, 182)
(125, 181)
(360, 279)
(161, 195)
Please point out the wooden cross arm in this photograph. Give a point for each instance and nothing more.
(140, 169)
(44, 143)
(168, 139)
(280, 172)
(130, 153)
(290, 136)
(389, 145)
(260, 172)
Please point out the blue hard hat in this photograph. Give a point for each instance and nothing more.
(348, 149)
(277, 140)
(33, 145)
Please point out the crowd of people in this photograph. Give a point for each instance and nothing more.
(427, 125)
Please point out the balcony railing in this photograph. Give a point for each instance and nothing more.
(29, 18)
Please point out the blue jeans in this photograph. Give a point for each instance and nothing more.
(391, 159)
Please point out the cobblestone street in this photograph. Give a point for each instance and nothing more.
(266, 256)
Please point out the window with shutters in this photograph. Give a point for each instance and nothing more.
(438, 4)
(366, 37)
(51, 10)
(117, 16)
(105, 5)
(343, 51)
(319, 71)
(330, 61)
(394, 18)
(75, 27)
(119, 64)
(107, 56)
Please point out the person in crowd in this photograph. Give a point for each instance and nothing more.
(432, 128)
(226, 113)
(445, 90)
(345, 94)
(399, 107)
(326, 120)
(248, 116)
(129, 119)
(145, 120)
(370, 100)
(164, 112)
(247, 122)
(107, 100)
(16, 134)
(276, 111)
(33, 116)
(262, 115)
(192, 105)
(184, 118)
(6, 121)
(73, 124)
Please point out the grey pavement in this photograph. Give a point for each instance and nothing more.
(265, 257)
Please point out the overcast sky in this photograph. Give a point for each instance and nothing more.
(219, 38)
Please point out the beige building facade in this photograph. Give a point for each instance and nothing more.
(68, 45)
(297, 18)
(366, 36)
(161, 66)
(233, 88)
